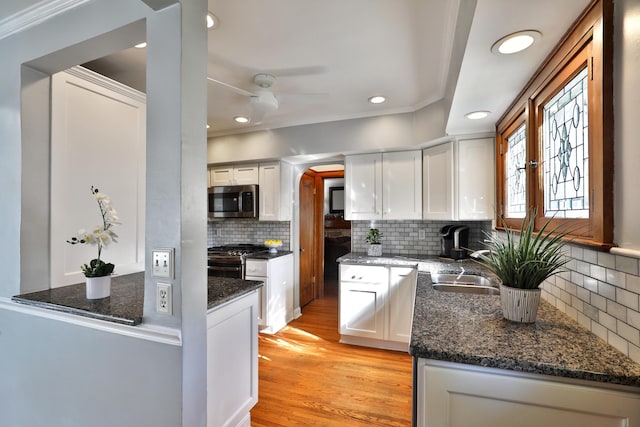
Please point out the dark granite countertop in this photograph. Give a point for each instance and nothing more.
(224, 289)
(125, 304)
(470, 329)
(267, 255)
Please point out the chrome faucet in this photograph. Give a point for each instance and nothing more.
(476, 254)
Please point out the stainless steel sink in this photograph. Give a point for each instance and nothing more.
(464, 283)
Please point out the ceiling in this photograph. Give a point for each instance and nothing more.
(330, 56)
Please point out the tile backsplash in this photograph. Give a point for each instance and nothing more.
(231, 231)
(601, 291)
(403, 237)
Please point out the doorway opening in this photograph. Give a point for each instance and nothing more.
(324, 233)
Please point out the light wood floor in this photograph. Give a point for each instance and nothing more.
(307, 378)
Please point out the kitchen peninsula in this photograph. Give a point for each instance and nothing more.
(471, 365)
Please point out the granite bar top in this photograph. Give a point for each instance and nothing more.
(470, 329)
(124, 305)
(267, 255)
(126, 302)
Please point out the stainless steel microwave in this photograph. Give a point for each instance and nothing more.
(233, 201)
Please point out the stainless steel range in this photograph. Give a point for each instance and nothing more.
(228, 260)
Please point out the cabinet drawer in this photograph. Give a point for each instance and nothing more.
(255, 268)
(364, 274)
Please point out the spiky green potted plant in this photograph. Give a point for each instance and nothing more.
(374, 239)
(522, 264)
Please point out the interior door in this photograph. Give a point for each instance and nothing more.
(307, 218)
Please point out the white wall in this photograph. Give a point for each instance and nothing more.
(627, 146)
(341, 137)
(45, 364)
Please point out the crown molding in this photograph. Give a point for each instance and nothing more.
(35, 14)
(106, 82)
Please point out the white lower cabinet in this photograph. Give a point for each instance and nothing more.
(232, 361)
(376, 305)
(276, 296)
(457, 395)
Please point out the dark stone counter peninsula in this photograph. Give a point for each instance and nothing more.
(125, 305)
(470, 329)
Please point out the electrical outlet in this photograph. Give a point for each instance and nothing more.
(163, 298)
(162, 263)
(422, 234)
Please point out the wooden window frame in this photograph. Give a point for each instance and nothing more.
(589, 42)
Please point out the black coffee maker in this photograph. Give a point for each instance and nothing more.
(453, 241)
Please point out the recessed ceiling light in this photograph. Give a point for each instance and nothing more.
(208, 126)
(141, 45)
(476, 115)
(212, 20)
(378, 99)
(241, 119)
(515, 42)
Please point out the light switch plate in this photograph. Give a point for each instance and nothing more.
(162, 263)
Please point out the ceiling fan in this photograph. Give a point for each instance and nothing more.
(263, 100)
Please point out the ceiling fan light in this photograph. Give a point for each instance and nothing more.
(241, 119)
(377, 99)
(477, 115)
(515, 42)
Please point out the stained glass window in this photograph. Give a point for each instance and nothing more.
(566, 151)
(516, 178)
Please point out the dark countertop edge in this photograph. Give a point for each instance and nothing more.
(267, 255)
(251, 285)
(78, 312)
(516, 366)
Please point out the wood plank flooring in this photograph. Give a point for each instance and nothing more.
(307, 378)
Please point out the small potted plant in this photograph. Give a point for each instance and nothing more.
(523, 264)
(98, 272)
(374, 239)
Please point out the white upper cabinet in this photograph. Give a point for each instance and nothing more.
(438, 189)
(476, 179)
(383, 186)
(233, 175)
(459, 180)
(275, 191)
(402, 185)
(363, 185)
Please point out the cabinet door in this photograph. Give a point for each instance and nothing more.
(402, 184)
(363, 185)
(465, 397)
(245, 175)
(438, 183)
(221, 176)
(476, 179)
(402, 290)
(363, 292)
(275, 192)
(232, 361)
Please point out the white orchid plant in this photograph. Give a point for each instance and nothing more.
(101, 235)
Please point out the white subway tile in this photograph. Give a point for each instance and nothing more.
(634, 353)
(629, 333)
(628, 299)
(598, 272)
(633, 317)
(627, 264)
(607, 260)
(607, 320)
(633, 283)
(606, 290)
(599, 330)
(590, 283)
(618, 342)
(590, 256)
(599, 301)
(617, 310)
(616, 278)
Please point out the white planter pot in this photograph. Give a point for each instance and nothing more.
(374, 250)
(98, 287)
(519, 305)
